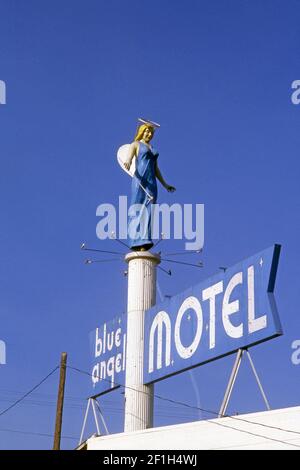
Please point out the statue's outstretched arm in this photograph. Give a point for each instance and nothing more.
(160, 178)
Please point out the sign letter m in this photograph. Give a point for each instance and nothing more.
(161, 319)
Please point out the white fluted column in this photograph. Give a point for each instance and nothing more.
(141, 296)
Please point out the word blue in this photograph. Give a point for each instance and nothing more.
(108, 349)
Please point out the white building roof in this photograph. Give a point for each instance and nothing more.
(263, 430)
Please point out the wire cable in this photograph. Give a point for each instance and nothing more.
(29, 392)
(200, 265)
(36, 434)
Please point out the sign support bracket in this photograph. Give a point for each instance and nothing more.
(93, 402)
(232, 380)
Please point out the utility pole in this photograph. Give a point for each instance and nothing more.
(60, 401)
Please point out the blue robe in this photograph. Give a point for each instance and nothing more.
(139, 224)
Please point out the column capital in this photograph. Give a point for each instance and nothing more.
(154, 257)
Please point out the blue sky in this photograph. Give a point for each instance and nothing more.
(217, 76)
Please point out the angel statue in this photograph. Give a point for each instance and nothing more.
(139, 160)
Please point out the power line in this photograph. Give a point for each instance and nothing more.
(108, 406)
(75, 406)
(254, 434)
(210, 412)
(42, 395)
(36, 434)
(29, 392)
(227, 416)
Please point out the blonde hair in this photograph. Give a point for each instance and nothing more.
(140, 132)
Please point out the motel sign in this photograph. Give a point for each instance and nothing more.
(231, 310)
